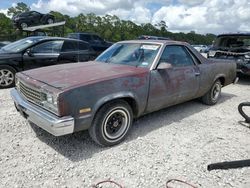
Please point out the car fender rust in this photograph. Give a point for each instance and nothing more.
(219, 76)
(114, 96)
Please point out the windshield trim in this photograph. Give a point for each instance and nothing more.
(157, 57)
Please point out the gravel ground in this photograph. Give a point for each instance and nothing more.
(178, 142)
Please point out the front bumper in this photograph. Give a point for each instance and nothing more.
(53, 124)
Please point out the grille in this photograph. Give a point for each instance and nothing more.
(31, 94)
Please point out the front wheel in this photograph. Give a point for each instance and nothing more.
(7, 76)
(50, 21)
(111, 123)
(24, 25)
(213, 95)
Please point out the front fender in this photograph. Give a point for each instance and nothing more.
(219, 76)
(114, 96)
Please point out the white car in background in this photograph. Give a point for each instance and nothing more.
(201, 48)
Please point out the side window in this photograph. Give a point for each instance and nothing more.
(73, 36)
(95, 37)
(85, 38)
(48, 47)
(195, 59)
(69, 46)
(34, 13)
(83, 46)
(177, 56)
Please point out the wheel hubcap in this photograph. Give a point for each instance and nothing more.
(216, 92)
(6, 77)
(24, 25)
(50, 21)
(116, 124)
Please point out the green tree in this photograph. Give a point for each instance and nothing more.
(19, 8)
(6, 31)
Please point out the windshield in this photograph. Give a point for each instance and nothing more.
(20, 44)
(226, 42)
(133, 54)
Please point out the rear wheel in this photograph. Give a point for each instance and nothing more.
(50, 21)
(7, 76)
(111, 123)
(213, 95)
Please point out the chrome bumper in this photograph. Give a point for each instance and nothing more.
(53, 124)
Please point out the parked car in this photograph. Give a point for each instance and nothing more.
(3, 43)
(128, 80)
(31, 18)
(95, 41)
(201, 48)
(233, 46)
(148, 37)
(34, 52)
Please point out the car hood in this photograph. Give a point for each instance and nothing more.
(72, 75)
(6, 55)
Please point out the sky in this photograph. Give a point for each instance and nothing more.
(201, 16)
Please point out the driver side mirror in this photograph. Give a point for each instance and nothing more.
(164, 65)
(29, 52)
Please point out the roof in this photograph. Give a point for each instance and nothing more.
(148, 37)
(55, 38)
(233, 34)
(83, 33)
(155, 41)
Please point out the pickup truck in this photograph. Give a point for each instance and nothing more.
(130, 79)
(235, 47)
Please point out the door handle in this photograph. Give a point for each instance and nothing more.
(197, 74)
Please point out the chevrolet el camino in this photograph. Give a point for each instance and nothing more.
(128, 80)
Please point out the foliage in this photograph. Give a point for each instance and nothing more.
(19, 8)
(109, 27)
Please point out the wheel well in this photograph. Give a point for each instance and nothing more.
(132, 103)
(222, 80)
(10, 67)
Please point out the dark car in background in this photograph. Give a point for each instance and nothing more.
(4, 43)
(95, 41)
(34, 52)
(233, 46)
(32, 18)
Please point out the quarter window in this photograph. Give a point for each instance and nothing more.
(177, 56)
(83, 46)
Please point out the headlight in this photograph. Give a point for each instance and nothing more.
(17, 83)
(211, 53)
(50, 101)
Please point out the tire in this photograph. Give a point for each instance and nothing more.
(7, 76)
(111, 123)
(23, 25)
(213, 95)
(50, 21)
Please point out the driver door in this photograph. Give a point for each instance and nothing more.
(177, 83)
(42, 54)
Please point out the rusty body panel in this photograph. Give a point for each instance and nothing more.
(90, 85)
